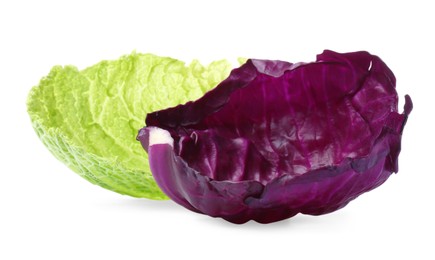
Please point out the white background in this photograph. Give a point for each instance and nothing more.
(49, 212)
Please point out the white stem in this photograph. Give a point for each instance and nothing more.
(159, 136)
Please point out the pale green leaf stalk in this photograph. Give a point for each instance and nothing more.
(89, 119)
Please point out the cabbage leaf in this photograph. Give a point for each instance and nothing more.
(276, 139)
(88, 119)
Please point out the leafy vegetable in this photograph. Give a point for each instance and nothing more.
(89, 119)
(275, 139)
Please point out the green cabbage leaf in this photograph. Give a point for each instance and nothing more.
(89, 119)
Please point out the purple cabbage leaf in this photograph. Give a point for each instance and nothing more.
(276, 139)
